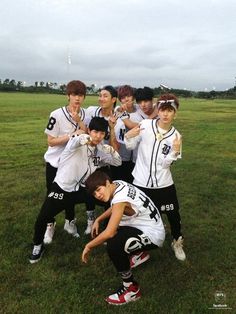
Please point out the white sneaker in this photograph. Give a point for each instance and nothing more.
(89, 226)
(36, 253)
(177, 246)
(71, 227)
(49, 233)
(124, 294)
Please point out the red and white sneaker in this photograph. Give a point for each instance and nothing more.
(125, 295)
(138, 259)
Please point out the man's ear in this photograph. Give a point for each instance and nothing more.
(108, 183)
(114, 99)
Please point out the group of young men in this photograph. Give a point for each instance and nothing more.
(118, 157)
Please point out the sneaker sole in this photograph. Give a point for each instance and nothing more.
(45, 241)
(132, 300)
(141, 261)
(32, 261)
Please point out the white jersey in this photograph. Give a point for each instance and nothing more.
(78, 161)
(60, 123)
(155, 155)
(120, 130)
(146, 217)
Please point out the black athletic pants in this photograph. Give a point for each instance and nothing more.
(123, 172)
(167, 203)
(56, 201)
(127, 241)
(69, 212)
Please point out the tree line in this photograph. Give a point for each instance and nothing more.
(11, 85)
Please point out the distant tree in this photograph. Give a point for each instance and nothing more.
(63, 88)
(12, 83)
(41, 84)
(6, 82)
(36, 84)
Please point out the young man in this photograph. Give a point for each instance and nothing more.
(126, 98)
(82, 155)
(63, 122)
(145, 110)
(107, 102)
(144, 98)
(159, 146)
(134, 225)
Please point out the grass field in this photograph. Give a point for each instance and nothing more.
(60, 283)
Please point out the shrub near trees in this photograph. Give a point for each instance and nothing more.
(11, 85)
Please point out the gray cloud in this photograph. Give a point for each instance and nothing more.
(184, 44)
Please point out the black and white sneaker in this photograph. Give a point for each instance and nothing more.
(36, 253)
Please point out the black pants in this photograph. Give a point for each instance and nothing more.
(128, 240)
(167, 203)
(123, 172)
(50, 176)
(56, 201)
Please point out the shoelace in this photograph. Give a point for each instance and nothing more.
(121, 290)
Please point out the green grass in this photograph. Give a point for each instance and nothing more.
(60, 283)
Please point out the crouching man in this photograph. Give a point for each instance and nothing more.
(82, 155)
(134, 226)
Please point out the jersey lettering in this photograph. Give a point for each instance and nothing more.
(167, 207)
(166, 149)
(56, 195)
(51, 123)
(131, 192)
(148, 204)
(134, 244)
(96, 161)
(122, 134)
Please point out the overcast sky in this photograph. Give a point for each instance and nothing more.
(181, 43)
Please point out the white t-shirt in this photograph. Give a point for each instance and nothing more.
(146, 217)
(60, 123)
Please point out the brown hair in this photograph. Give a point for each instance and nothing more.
(96, 179)
(167, 97)
(125, 90)
(76, 87)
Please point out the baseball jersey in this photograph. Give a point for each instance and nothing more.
(146, 217)
(60, 123)
(155, 155)
(120, 130)
(78, 161)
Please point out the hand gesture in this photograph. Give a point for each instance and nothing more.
(85, 139)
(177, 142)
(107, 149)
(134, 132)
(112, 120)
(75, 116)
